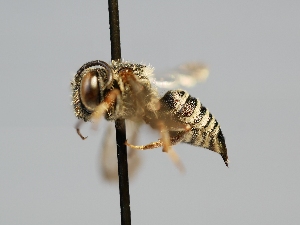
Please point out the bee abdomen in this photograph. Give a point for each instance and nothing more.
(206, 131)
(211, 140)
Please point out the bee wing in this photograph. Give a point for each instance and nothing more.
(109, 162)
(186, 75)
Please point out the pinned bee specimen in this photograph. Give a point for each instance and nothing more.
(123, 90)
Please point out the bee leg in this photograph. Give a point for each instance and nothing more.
(173, 137)
(166, 142)
(104, 106)
(176, 160)
(172, 154)
(151, 145)
(172, 141)
(78, 124)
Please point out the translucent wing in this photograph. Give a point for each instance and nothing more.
(109, 162)
(186, 75)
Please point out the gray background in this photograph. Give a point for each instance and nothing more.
(49, 176)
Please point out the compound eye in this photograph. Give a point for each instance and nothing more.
(90, 90)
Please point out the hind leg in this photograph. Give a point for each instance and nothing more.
(168, 138)
(166, 142)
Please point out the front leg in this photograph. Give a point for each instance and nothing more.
(77, 126)
(100, 110)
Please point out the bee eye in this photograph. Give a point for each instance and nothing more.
(90, 83)
(90, 90)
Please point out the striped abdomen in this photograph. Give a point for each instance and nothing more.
(205, 131)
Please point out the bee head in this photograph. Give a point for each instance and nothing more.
(89, 84)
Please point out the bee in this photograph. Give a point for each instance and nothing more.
(123, 90)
